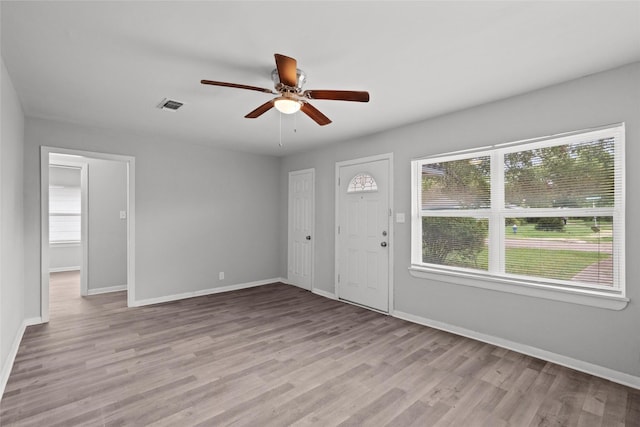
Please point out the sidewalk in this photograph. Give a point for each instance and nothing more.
(598, 272)
(571, 245)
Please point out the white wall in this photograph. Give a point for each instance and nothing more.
(12, 313)
(605, 338)
(199, 210)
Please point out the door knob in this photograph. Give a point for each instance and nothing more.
(308, 237)
(383, 244)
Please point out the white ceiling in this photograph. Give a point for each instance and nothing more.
(109, 64)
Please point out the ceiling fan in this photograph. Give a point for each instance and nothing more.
(288, 81)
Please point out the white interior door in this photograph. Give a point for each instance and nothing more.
(363, 216)
(301, 225)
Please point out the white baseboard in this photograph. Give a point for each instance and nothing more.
(325, 294)
(62, 269)
(107, 290)
(11, 357)
(578, 365)
(168, 298)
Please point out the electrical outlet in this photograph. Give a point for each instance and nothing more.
(221, 275)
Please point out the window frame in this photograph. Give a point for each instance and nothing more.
(495, 277)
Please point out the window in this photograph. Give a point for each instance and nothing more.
(362, 182)
(64, 214)
(547, 213)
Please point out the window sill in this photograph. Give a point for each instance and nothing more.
(589, 297)
(69, 244)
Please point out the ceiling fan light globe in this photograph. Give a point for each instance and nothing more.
(287, 105)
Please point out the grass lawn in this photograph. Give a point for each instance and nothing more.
(552, 264)
(579, 230)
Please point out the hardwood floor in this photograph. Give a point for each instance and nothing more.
(276, 355)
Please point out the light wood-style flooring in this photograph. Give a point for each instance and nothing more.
(277, 355)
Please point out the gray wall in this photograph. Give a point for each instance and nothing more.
(65, 257)
(599, 336)
(11, 214)
(107, 232)
(68, 256)
(199, 210)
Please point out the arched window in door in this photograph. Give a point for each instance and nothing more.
(362, 182)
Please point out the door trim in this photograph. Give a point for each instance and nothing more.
(313, 222)
(44, 220)
(385, 156)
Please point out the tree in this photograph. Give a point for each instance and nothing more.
(550, 224)
(443, 237)
(457, 184)
(561, 176)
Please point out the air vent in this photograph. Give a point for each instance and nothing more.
(170, 104)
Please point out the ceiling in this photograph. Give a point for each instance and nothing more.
(108, 64)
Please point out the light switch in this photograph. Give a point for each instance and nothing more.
(400, 218)
(123, 214)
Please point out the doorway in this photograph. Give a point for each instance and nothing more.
(68, 232)
(364, 232)
(119, 257)
(301, 227)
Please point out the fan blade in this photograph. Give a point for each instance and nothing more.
(238, 86)
(260, 110)
(287, 70)
(338, 95)
(315, 114)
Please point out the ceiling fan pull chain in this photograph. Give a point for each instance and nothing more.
(295, 123)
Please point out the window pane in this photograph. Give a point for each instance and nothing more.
(576, 249)
(458, 184)
(455, 241)
(577, 175)
(362, 182)
(64, 228)
(64, 200)
(64, 214)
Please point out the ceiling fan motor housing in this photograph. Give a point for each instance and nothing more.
(301, 79)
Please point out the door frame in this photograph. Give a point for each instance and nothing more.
(313, 222)
(84, 218)
(391, 240)
(44, 220)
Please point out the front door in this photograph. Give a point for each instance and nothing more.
(363, 233)
(301, 224)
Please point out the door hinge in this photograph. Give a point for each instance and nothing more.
(338, 180)
(338, 278)
(389, 211)
(338, 229)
